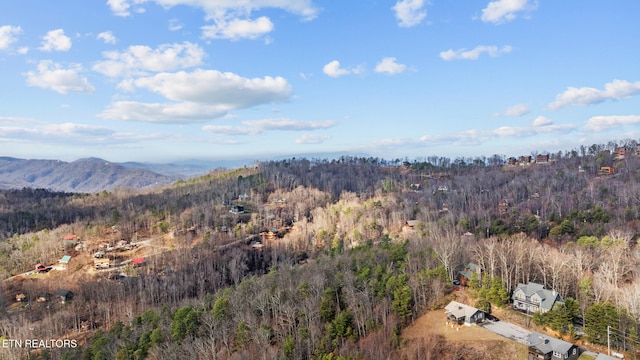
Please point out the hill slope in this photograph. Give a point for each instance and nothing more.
(85, 175)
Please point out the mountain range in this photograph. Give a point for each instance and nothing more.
(92, 174)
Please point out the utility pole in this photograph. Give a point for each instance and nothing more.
(608, 341)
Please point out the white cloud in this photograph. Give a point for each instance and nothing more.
(389, 65)
(198, 96)
(140, 59)
(334, 70)
(162, 113)
(229, 130)
(55, 40)
(288, 124)
(600, 123)
(501, 11)
(107, 37)
(121, 7)
(474, 54)
(476, 137)
(236, 29)
(232, 19)
(50, 75)
(253, 127)
(73, 129)
(312, 139)
(8, 35)
(175, 25)
(409, 12)
(542, 121)
(614, 90)
(515, 110)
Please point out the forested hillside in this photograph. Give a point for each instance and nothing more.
(322, 259)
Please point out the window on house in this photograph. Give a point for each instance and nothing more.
(557, 355)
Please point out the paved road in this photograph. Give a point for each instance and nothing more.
(508, 330)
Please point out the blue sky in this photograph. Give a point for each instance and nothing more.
(164, 80)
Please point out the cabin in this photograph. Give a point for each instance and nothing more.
(64, 295)
(545, 347)
(64, 262)
(237, 209)
(463, 314)
(44, 297)
(101, 263)
(137, 261)
(606, 170)
(467, 274)
(409, 226)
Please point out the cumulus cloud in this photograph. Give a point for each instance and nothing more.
(501, 11)
(231, 19)
(50, 75)
(236, 29)
(197, 96)
(107, 37)
(389, 66)
(617, 89)
(140, 59)
(542, 121)
(254, 127)
(474, 54)
(334, 70)
(515, 110)
(162, 113)
(8, 35)
(55, 40)
(122, 7)
(600, 123)
(409, 12)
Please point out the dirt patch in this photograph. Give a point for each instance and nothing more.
(435, 322)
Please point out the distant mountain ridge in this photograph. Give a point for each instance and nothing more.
(83, 175)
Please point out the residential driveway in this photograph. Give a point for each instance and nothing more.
(507, 330)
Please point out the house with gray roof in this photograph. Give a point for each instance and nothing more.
(548, 348)
(533, 297)
(463, 314)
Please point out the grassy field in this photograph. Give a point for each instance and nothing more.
(434, 322)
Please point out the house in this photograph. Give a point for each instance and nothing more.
(243, 197)
(101, 263)
(533, 297)
(64, 295)
(620, 153)
(21, 297)
(137, 261)
(409, 225)
(237, 209)
(43, 297)
(548, 348)
(64, 262)
(542, 159)
(466, 275)
(71, 237)
(606, 170)
(463, 314)
(503, 206)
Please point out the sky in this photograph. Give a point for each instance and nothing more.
(167, 80)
